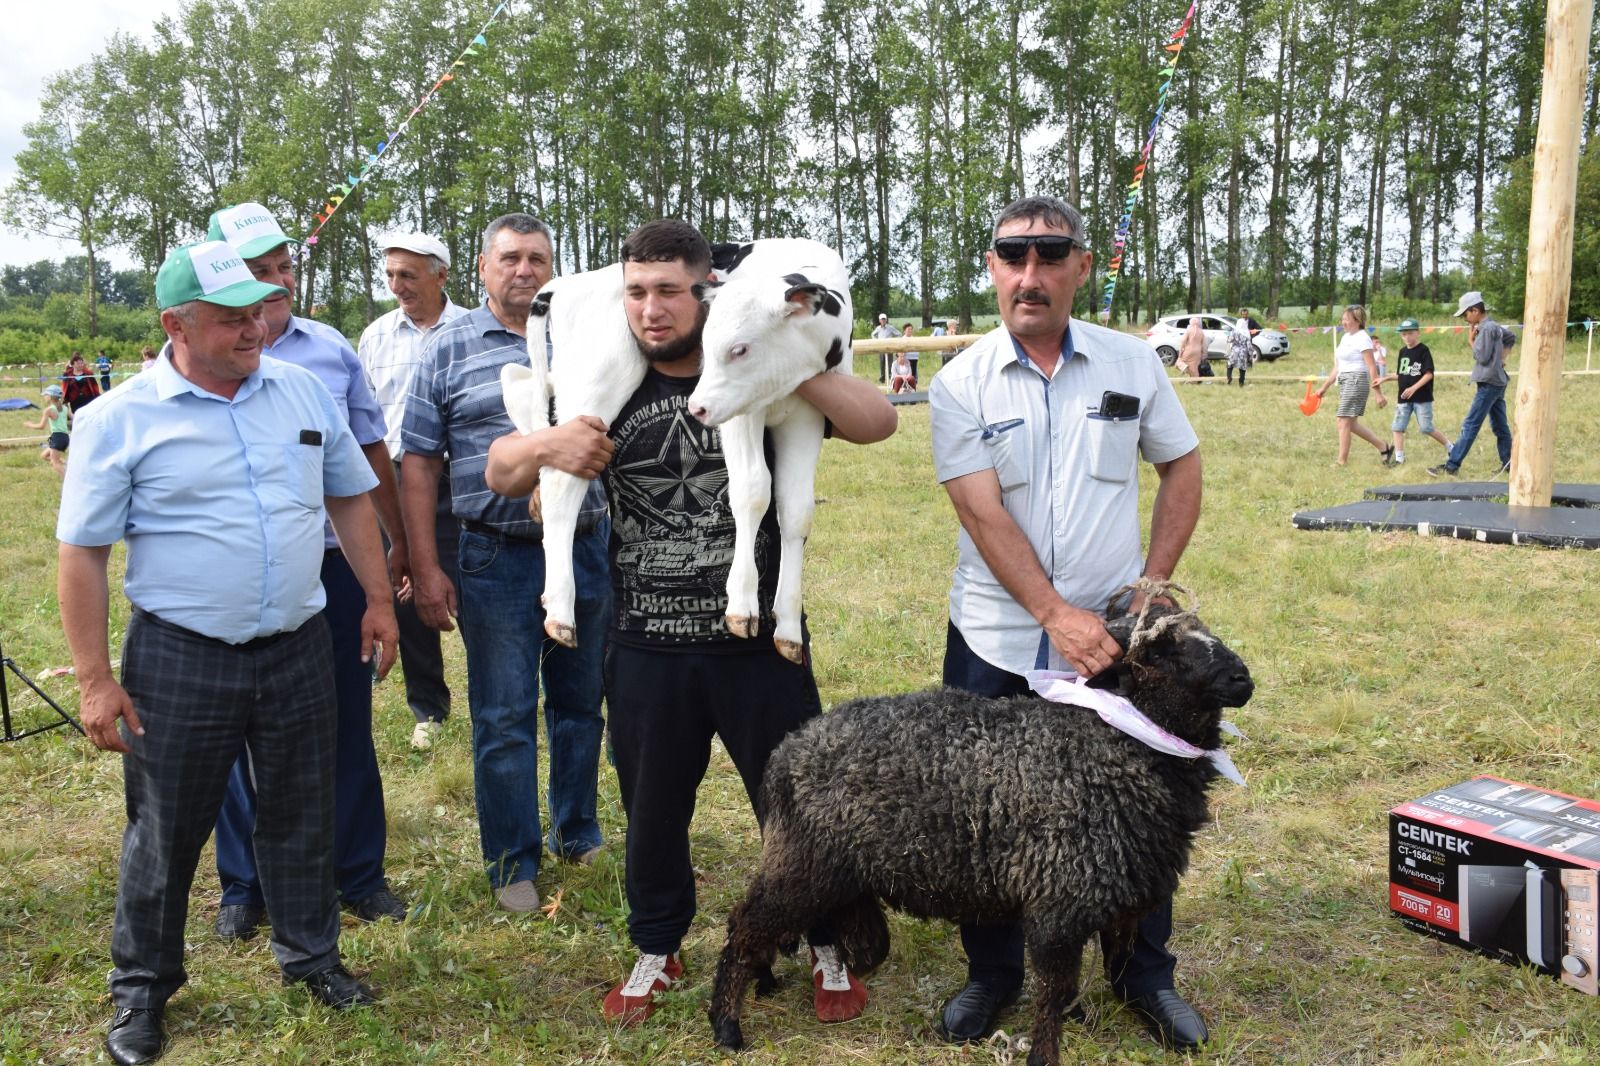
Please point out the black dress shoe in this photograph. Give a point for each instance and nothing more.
(336, 988)
(971, 1013)
(1170, 1019)
(135, 1035)
(381, 904)
(239, 921)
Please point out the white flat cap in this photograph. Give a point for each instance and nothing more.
(420, 243)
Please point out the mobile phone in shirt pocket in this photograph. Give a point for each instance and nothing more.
(1113, 447)
(1009, 448)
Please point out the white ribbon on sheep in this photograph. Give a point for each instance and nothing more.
(1064, 686)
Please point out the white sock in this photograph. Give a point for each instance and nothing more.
(1399, 457)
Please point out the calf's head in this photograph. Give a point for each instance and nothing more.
(764, 335)
(1176, 672)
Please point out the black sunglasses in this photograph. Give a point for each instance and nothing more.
(1051, 248)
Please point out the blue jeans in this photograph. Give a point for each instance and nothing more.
(1488, 402)
(502, 626)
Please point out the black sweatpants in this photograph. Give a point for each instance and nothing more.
(663, 707)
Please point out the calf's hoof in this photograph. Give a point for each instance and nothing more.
(745, 626)
(1041, 1058)
(563, 633)
(727, 1033)
(791, 650)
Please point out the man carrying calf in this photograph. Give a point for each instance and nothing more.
(675, 677)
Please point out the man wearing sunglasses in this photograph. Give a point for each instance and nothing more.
(1037, 432)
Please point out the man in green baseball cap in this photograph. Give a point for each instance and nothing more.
(217, 468)
(361, 837)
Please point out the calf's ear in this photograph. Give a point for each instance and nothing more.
(809, 297)
(705, 291)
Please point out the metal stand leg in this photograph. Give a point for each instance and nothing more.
(6, 663)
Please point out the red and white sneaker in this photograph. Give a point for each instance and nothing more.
(634, 1000)
(840, 996)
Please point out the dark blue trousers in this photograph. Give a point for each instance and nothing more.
(995, 952)
(360, 833)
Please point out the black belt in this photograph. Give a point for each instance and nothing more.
(249, 645)
(469, 525)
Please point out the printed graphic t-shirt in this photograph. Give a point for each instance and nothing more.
(1412, 364)
(671, 526)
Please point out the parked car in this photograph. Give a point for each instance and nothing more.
(1166, 336)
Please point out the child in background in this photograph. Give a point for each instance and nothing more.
(56, 417)
(1414, 377)
(902, 375)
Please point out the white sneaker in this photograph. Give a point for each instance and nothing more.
(1399, 458)
(422, 736)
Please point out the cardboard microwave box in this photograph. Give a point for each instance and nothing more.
(1506, 869)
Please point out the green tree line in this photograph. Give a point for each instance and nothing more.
(1314, 151)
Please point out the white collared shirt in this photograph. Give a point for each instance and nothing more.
(1068, 476)
(390, 353)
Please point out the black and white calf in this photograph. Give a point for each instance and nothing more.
(780, 313)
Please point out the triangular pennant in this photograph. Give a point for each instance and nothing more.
(336, 200)
(311, 239)
(346, 188)
(469, 51)
(1173, 47)
(480, 39)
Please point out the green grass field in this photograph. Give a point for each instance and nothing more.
(1386, 665)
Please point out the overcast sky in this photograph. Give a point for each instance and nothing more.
(37, 40)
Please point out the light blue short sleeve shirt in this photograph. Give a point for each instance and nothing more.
(220, 501)
(1068, 477)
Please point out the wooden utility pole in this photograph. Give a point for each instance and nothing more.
(1555, 188)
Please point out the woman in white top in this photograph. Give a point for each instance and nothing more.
(1355, 370)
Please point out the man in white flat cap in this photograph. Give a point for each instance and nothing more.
(884, 331)
(1490, 342)
(415, 266)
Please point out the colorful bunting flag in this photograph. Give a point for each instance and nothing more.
(1125, 223)
(336, 199)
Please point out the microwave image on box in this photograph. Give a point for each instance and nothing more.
(1544, 802)
(1493, 908)
(1539, 834)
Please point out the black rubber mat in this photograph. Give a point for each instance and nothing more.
(1562, 494)
(1490, 523)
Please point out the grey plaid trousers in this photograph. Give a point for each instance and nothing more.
(202, 702)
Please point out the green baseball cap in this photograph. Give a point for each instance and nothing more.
(1410, 323)
(210, 271)
(249, 227)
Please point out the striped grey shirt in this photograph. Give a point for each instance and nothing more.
(455, 407)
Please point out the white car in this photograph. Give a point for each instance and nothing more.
(1166, 337)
